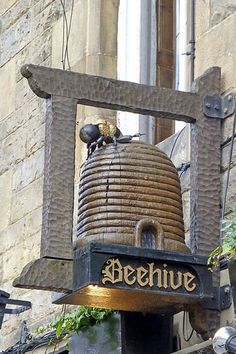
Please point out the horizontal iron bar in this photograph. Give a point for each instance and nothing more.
(15, 302)
(143, 253)
(195, 347)
(113, 94)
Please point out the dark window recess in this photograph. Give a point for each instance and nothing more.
(149, 237)
(165, 73)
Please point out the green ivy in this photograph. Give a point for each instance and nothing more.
(227, 249)
(74, 321)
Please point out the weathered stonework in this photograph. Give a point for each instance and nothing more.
(7, 84)
(5, 197)
(31, 32)
(216, 47)
(220, 10)
(5, 5)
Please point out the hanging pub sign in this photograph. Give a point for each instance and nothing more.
(126, 278)
(130, 252)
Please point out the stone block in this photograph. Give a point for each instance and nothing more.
(1, 267)
(7, 89)
(186, 210)
(26, 200)
(77, 44)
(13, 14)
(36, 52)
(31, 247)
(225, 157)
(231, 193)
(11, 332)
(109, 27)
(220, 10)
(93, 114)
(5, 5)
(35, 108)
(217, 48)
(40, 5)
(15, 38)
(101, 64)
(79, 66)
(227, 126)
(5, 197)
(23, 94)
(13, 261)
(13, 149)
(35, 137)
(22, 229)
(104, 39)
(45, 19)
(202, 17)
(28, 170)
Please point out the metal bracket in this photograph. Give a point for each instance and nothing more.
(225, 297)
(219, 106)
(4, 300)
(221, 300)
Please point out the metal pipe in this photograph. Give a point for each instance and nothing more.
(192, 42)
(195, 347)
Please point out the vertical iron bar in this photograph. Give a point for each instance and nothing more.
(146, 333)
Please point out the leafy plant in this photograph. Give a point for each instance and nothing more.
(74, 321)
(227, 249)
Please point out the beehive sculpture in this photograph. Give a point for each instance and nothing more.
(130, 194)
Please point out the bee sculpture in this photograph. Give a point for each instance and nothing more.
(94, 135)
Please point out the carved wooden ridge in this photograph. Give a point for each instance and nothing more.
(63, 91)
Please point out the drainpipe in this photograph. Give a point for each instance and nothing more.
(192, 41)
(185, 47)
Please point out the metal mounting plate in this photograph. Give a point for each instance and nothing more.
(21, 305)
(221, 300)
(219, 106)
(225, 297)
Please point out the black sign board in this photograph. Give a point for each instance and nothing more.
(137, 279)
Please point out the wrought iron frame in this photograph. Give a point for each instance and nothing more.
(63, 90)
(21, 305)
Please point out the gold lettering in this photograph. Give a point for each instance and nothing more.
(112, 272)
(151, 275)
(165, 279)
(128, 271)
(172, 280)
(188, 278)
(141, 272)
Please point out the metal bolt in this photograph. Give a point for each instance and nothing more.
(229, 98)
(225, 110)
(217, 107)
(227, 290)
(208, 105)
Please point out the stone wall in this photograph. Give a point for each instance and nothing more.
(215, 46)
(31, 31)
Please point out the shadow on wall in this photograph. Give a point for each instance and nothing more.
(104, 338)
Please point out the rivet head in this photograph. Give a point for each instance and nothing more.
(225, 110)
(229, 98)
(208, 105)
(227, 290)
(217, 107)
